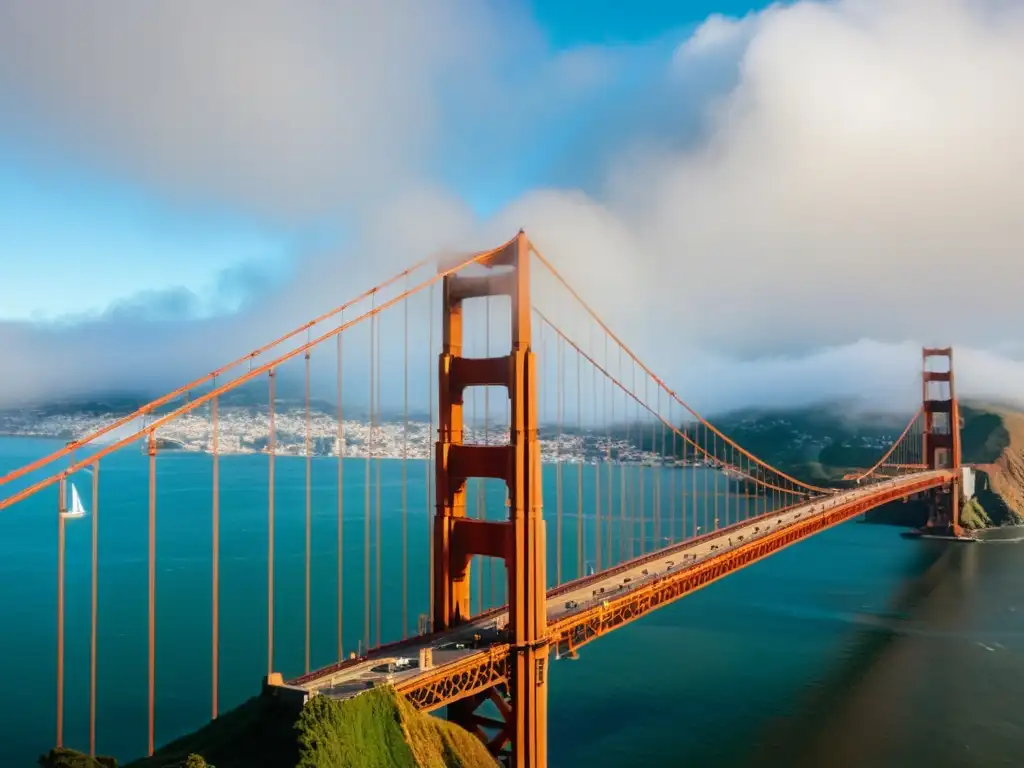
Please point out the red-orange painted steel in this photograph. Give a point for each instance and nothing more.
(215, 563)
(520, 539)
(93, 615)
(194, 403)
(941, 441)
(483, 670)
(271, 448)
(152, 406)
(60, 613)
(152, 593)
(341, 498)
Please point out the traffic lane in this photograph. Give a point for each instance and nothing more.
(353, 680)
(683, 556)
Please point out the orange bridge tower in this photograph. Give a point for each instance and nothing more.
(519, 540)
(941, 435)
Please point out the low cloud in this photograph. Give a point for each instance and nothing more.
(810, 194)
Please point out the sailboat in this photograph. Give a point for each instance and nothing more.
(76, 509)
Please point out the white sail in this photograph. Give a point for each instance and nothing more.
(77, 509)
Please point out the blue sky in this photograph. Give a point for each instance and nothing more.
(610, 22)
(776, 168)
(81, 236)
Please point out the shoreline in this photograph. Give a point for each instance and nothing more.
(391, 457)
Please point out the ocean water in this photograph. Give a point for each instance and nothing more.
(854, 648)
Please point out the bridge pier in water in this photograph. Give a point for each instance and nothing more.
(941, 440)
(519, 540)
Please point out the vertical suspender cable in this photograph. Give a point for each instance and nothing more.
(405, 469)
(62, 486)
(609, 509)
(622, 472)
(656, 473)
(309, 514)
(636, 515)
(152, 590)
(480, 512)
(672, 478)
(368, 509)
(93, 614)
(627, 473)
(271, 448)
(215, 561)
(339, 449)
(715, 469)
(597, 473)
(580, 569)
(597, 469)
(693, 479)
(379, 419)
(476, 572)
(487, 414)
(560, 404)
(430, 453)
(643, 474)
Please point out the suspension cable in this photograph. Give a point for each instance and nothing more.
(94, 612)
(214, 560)
(116, 445)
(558, 276)
(152, 592)
(430, 453)
(309, 518)
(339, 449)
(405, 471)
(368, 509)
(641, 404)
(60, 613)
(271, 448)
(559, 405)
(380, 421)
(888, 453)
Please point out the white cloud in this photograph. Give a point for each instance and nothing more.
(855, 189)
(862, 180)
(291, 106)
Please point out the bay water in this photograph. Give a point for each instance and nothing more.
(854, 648)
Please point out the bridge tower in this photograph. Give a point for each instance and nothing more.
(519, 540)
(941, 434)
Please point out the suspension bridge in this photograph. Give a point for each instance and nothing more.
(541, 487)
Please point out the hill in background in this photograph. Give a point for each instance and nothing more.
(820, 444)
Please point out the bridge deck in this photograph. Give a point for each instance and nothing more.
(579, 611)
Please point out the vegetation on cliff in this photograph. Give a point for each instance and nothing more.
(993, 440)
(377, 729)
(821, 444)
(70, 758)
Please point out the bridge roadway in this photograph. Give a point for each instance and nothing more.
(454, 653)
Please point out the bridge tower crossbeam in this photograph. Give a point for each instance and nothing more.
(941, 435)
(520, 539)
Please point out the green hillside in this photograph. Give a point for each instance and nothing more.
(377, 729)
(820, 444)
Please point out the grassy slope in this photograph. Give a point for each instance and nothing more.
(993, 440)
(377, 729)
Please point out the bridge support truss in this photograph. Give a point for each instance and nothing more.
(941, 437)
(519, 540)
